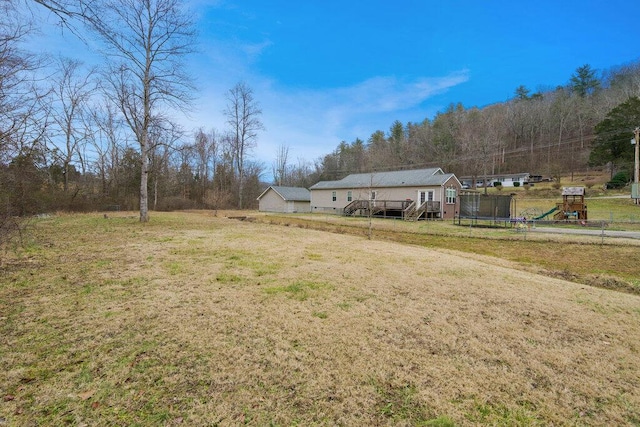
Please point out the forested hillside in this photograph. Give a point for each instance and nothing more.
(549, 132)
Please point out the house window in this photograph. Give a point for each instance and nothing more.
(450, 196)
(373, 195)
(349, 196)
(333, 196)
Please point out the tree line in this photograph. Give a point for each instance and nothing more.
(79, 138)
(550, 132)
(83, 138)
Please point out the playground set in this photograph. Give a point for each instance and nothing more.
(495, 210)
(572, 207)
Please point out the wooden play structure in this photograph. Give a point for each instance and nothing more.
(572, 207)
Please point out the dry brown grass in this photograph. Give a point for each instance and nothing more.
(603, 262)
(196, 320)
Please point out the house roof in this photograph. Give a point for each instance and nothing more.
(504, 175)
(408, 178)
(573, 191)
(291, 194)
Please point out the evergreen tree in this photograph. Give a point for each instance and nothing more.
(613, 136)
(584, 82)
(522, 92)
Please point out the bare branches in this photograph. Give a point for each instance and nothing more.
(19, 98)
(149, 38)
(72, 90)
(280, 166)
(243, 116)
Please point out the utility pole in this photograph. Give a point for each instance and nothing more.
(636, 172)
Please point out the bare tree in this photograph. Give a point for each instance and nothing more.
(280, 167)
(243, 116)
(109, 142)
(21, 121)
(205, 148)
(71, 92)
(164, 138)
(147, 41)
(480, 141)
(252, 187)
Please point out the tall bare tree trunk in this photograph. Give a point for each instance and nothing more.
(243, 115)
(148, 41)
(144, 180)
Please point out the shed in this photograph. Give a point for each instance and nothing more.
(284, 200)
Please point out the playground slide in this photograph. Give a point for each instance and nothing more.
(546, 213)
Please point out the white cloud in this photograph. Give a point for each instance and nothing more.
(388, 94)
(254, 50)
(313, 122)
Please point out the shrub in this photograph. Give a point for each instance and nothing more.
(498, 185)
(516, 184)
(619, 180)
(11, 229)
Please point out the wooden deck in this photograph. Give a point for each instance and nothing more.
(405, 209)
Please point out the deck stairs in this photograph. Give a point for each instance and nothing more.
(355, 206)
(412, 213)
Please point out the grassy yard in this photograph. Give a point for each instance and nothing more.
(609, 263)
(613, 209)
(603, 205)
(199, 320)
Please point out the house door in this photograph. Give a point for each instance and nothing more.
(425, 196)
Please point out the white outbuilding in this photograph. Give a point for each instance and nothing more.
(285, 200)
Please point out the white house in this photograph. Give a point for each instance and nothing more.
(284, 199)
(507, 180)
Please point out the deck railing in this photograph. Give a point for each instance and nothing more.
(407, 207)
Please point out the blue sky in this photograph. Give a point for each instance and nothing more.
(325, 71)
